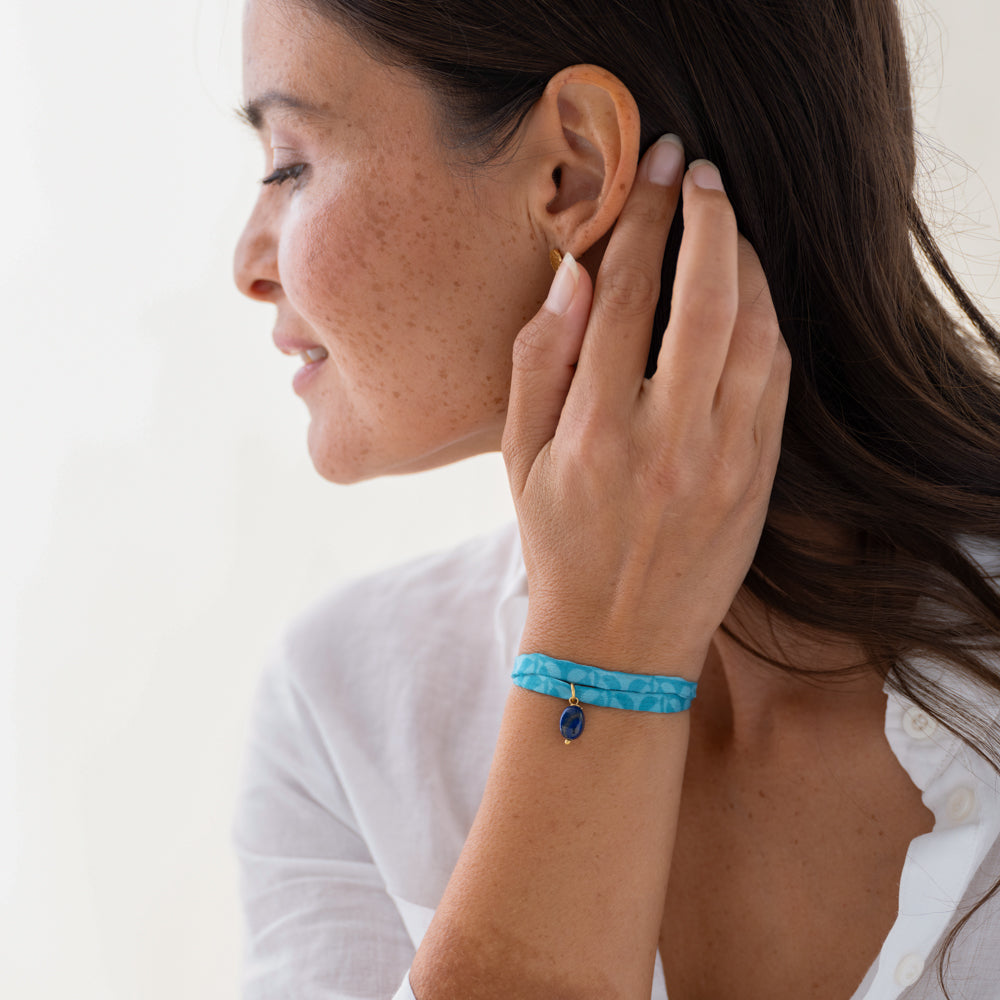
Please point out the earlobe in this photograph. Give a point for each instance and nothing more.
(588, 123)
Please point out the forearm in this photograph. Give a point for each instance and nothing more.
(559, 890)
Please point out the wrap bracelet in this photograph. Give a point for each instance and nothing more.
(578, 683)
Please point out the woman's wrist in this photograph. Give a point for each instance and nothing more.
(678, 655)
(582, 684)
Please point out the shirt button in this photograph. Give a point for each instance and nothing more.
(961, 803)
(909, 969)
(917, 724)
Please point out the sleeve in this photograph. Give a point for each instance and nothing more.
(404, 992)
(319, 923)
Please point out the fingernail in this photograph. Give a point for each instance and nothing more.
(706, 175)
(563, 286)
(666, 160)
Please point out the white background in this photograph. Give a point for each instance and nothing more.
(160, 518)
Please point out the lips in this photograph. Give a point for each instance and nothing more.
(289, 344)
(312, 354)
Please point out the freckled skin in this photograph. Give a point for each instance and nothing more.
(414, 274)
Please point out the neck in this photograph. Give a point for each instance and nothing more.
(745, 701)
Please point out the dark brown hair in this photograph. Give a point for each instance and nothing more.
(892, 431)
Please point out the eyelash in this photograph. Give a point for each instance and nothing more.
(283, 174)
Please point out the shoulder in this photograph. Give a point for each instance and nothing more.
(442, 623)
(443, 592)
(398, 681)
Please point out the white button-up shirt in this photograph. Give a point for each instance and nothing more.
(373, 731)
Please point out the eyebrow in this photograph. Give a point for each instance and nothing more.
(255, 110)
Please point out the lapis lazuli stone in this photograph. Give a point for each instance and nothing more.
(571, 722)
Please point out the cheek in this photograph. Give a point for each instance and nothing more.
(355, 253)
(323, 254)
(418, 290)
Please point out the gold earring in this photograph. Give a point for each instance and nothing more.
(555, 258)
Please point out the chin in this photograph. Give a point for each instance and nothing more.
(343, 461)
(340, 476)
(336, 467)
(341, 458)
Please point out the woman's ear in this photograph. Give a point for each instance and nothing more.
(583, 134)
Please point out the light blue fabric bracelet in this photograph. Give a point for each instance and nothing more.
(594, 686)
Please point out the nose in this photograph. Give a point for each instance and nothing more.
(255, 260)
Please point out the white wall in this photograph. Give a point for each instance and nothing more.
(160, 519)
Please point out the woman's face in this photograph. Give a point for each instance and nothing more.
(404, 277)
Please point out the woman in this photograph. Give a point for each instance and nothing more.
(824, 818)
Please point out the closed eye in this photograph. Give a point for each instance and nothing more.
(283, 174)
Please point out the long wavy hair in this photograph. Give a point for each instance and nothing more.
(892, 431)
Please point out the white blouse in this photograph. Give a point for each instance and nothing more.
(372, 735)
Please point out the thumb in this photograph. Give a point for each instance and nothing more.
(545, 355)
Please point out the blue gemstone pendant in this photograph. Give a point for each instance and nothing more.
(571, 720)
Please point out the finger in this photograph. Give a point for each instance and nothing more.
(705, 298)
(770, 416)
(756, 336)
(614, 354)
(545, 353)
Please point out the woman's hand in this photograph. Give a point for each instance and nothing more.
(641, 501)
